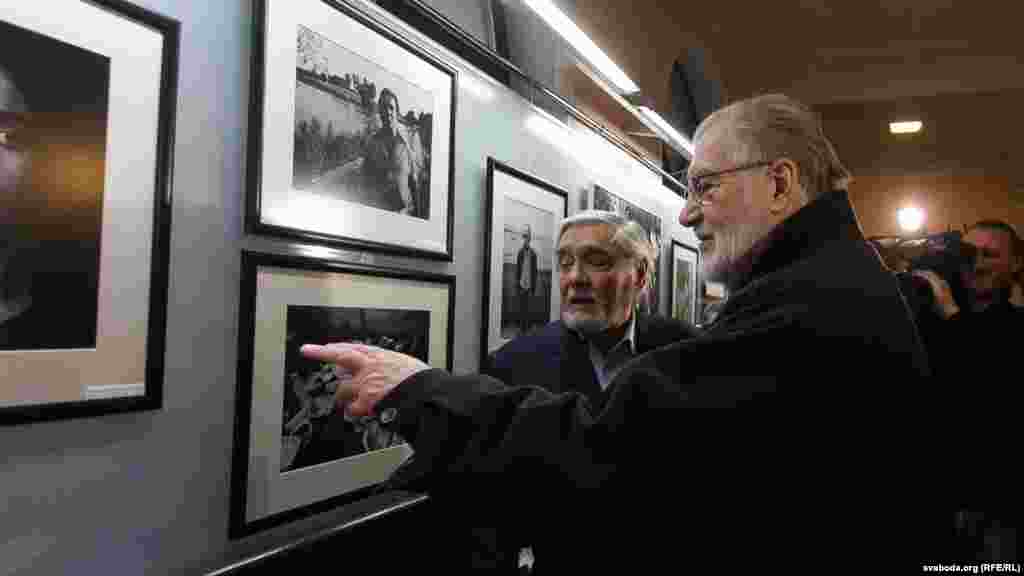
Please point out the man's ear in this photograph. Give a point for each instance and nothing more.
(786, 192)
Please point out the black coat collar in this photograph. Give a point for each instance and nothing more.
(827, 219)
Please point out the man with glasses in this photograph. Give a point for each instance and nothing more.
(815, 343)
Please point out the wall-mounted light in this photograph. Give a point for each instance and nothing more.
(589, 148)
(910, 218)
(560, 23)
(654, 121)
(667, 131)
(907, 127)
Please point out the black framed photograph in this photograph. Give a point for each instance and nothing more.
(520, 282)
(87, 99)
(352, 132)
(602, 199)
(686, 284)
(294, 454)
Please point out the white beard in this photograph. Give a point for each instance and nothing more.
(727, 250)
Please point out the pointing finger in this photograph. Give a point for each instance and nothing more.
(347, 356)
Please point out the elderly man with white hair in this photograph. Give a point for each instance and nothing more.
(813, 347)
(605, 262)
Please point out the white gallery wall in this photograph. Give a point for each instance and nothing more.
(147, 493)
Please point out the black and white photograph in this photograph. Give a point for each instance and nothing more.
(520, 280)
(295, 452)
(313, 432)
(53, 126)
(361, 133)
(605, 200)
(685, 284)
(527, 272)
(352, 132)
(88, 93)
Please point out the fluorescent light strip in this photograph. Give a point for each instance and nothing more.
(590, 149)
(905, 127)
(582, 43)
(666, 129)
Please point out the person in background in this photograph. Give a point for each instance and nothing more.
(987, 328)
(975, 355)
(1017, 293)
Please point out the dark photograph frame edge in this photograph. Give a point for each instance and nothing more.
(254, 171)
(238, 526)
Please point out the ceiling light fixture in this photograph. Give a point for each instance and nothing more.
(666, 130)
(911, 218)
(583, 44)
(909, 127)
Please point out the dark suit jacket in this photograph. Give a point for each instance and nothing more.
(527, 257)
(554, 358)
(557, 360)
(825, 455)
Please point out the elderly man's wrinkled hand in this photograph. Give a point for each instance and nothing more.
(372, 373)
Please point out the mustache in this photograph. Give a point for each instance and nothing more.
(581, 295)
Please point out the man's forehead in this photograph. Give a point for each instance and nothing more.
(710, 153)
(592, 235)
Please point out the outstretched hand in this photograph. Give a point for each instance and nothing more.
(368, 373)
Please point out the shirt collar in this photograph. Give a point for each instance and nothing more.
(629, 337)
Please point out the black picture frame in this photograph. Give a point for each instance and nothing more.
(241, 471)
(255, 220)
(696, 284)
(151, 397)
(488, 342)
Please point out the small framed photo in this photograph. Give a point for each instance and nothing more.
(686, 305)
(520, 285)
(352, 132)
(295, 455)
(87, 99)
(602, 199)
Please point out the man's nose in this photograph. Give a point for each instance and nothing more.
(575, 274)
(692, 213)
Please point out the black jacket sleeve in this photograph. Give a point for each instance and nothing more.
(475, 436)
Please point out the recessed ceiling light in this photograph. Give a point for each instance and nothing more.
(911, 218)
(909, 127)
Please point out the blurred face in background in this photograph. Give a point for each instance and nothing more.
(995, 264)
(598, 283)
(13, 155)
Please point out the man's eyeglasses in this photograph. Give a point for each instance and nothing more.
(700, 186)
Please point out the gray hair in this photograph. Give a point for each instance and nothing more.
(775, 126)
(627, 235)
